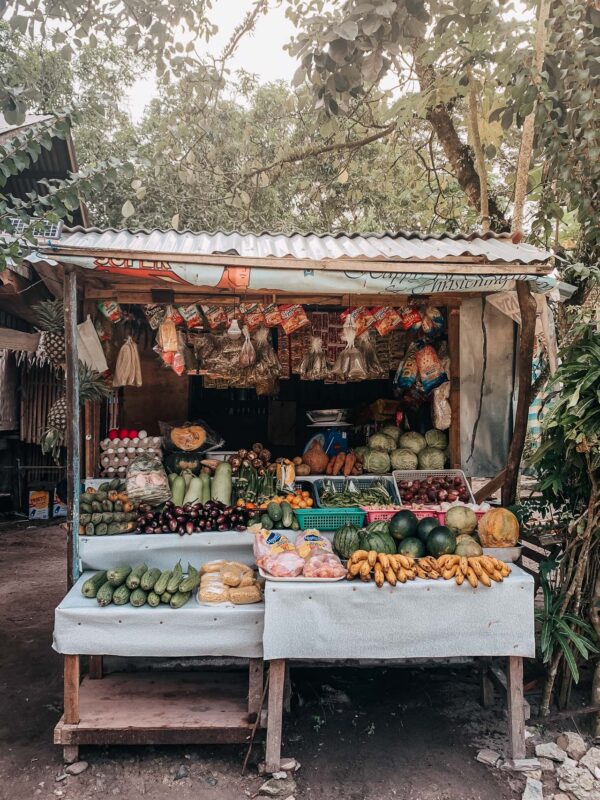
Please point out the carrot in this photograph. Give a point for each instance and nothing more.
(329, 470)
(338, 463)
(349, 464)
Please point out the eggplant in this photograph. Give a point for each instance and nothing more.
(181, 518)
(201, 524)
(240, 528)
(148, 529)
(178, 511)
(173, 525)
(189, 527)
(223, 527)
(194, 513)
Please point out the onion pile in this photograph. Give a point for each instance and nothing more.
(191, 518)
(434, 490)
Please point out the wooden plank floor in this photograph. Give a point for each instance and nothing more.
(155, 708)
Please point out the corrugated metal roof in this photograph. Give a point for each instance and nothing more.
(30, 119)
(399, 246)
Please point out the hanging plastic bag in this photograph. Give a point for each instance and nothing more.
(193, 437)
(247, 353)
(406, 374)
(349, 365)
(433, 321)
(128, 371)
(147, 481)
(429, 367)
(366, 346)
(267, 368)
(314, 365)
(89, 346)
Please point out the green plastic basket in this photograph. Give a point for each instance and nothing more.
(329, 519)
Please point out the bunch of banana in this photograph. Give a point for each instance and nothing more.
(391, 568)
(476, 570)
(428, 567)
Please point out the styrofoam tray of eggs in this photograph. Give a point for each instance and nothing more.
(122, 446)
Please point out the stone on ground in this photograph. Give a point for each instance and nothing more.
(77, 768)
(489, 757)
(573, 744)
(546, 765)
(533, 790)
(275, 788)
(591, 760)
(550, 750)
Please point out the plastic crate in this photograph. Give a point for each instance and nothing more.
(360, 481)
(373, 515)
(419, 474)
(329, 519)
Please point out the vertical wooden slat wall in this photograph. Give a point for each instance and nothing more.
(40, 387)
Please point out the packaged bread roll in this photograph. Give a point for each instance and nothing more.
(242, 595)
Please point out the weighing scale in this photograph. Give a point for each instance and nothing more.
(332, 431)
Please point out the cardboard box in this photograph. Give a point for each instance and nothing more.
(39, 504)
(59, 509)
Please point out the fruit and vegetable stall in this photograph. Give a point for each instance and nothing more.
(274, 471)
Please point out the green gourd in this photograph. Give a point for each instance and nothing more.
(153, 599)
(91, 586)
(205, 487)
(121, 595)
(117, 575)
(178, 490)
(221, 484)
(149, 578)
(135, 576)
(105, 594)
(138, 598)
(194, 491)
(161, 584)
(179, 599)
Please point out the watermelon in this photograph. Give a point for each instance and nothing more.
(441, 541)
(346, 540)
(379, 526)
(381, 542)
(412, 546)
(425, 527)
(403, 524)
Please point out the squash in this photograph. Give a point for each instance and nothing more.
(316, 458)
(346, 540)
(460, 519)
(498, 528)
(221, 483)
(188, 437)
(182, 461)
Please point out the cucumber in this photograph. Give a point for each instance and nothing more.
(166, 597)
(115, 483)
(221, 484)
(161, 584)
(104, 487)
(90, 529)
(175, 579)
(194, 491)
(275, 511)
(117, 575)
(105, 593)
(118, 527)
(96, 518)
(91, 586)
(138, 597)
(187, 476)
(153, 599)
(267, 522)
(135, 576)
(108, 517)
(287, 515)
(117, 505)
(191, 582)
(178, 490)
(121, 595)
(107, 505)
(205, 487)
(101, 529)
(100, 496)
(96, 507)
(180, 599)
(295, 524)
(84, 519)
(118, 516)
(149, 578)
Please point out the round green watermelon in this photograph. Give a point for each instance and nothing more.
(403, 524)
(425, 526)
(346, 540)
(412, 546)
(441, 541)
(381, 542)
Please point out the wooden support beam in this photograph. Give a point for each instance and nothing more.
(454, 354)
(528, 309)
(490, 487)
(71, 689)
(73, 425)
(255, 686)
(96, 667)
(275, 715)
(516, 715)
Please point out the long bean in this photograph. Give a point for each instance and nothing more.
(351, 495)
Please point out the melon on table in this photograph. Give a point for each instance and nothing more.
(498, 528)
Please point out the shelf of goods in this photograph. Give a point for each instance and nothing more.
(158, 707)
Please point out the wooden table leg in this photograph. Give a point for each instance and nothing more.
(275, 717)
(255, 686)
(96, 667)
(71, 753)
(287, 689)
(486, 683)
(71, 689)
(516, 713)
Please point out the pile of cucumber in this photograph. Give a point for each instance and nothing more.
(276, 516)
(142, 585)
(106, 510)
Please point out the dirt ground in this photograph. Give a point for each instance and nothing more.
(359, 734)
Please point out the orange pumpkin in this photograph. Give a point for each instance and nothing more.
(498, 528)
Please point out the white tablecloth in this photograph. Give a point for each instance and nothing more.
(163, 550)
(419, 619)
(82, 627)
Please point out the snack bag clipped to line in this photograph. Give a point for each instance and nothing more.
(254, 316)
(293, 317)
(385, 319)
(111, 310)
(191, 315)
(406, 375)
(272, 315)
(360, 318)
(411, 319)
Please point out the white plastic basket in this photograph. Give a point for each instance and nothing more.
(420, 474)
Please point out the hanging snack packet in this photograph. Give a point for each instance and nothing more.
(102, 329)
(247, 353)
(349, 365)
(272, 315)
(361, 318)
(166, 338)
(429, 366)
(385, 319)
(191, 316)
(314, 365)
(111, 310)
(172, 313)
(254, 316)
(366, 345)
(411, 319)
(406, 375)
(433, 321)
(293, 318)
(215, 315)
(155, 315)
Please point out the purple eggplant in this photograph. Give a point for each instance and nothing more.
(189, 527)
(223, 527)
(148, 529)
(240, 528)
(173, 525)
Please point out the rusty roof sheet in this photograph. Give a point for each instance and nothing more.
(398, 246)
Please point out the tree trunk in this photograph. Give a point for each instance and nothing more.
(595, 620)
(458, 154)
(478, 150)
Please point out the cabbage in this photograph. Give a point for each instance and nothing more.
(379, 441)
(431, 458)
(393, 431)
(404, 459)
(376, 462)
(412, 441)
(361, 451)
(435, 438)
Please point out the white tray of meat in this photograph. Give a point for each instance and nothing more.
(299, 578)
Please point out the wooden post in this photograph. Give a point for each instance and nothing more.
(275, 714)
(528, 309)
(71, 689)
(96, 667)
(487, 686)
(73, 424)
(255, 685)
(516, 712)
(454, 354)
